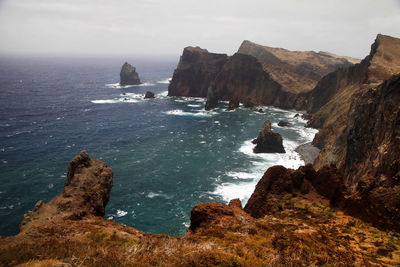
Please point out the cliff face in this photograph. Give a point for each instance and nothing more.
(197, 68)
(333, 101)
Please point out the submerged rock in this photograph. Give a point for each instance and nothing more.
(233, 103)
(149, 95)
(268, 141)
(284, 123)
(128, 75)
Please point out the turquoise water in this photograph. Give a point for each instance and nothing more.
(167, 154)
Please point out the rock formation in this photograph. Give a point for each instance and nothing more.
(233, 103)
(149, 95)
(212, 99)
(197, 68)
(128, 75)
(86, 192)
(268, 141)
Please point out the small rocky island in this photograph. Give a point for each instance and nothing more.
(128, 75)
(268, 141)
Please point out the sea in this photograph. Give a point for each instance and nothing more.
(167, 154)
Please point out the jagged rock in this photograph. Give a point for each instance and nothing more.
(149, 95)
(205, 214)
(196, 70)
(233, 104)
(284, 123)
(268, 141)
(128, 75)
(297, 115)
(212, 99)
(276, 181)
(235, 203)
(261, 110)
(86, 192)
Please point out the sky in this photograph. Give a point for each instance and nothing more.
(165, 27)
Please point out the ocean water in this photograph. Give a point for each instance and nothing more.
(167, 153)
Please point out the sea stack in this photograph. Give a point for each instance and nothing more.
(128, 75)
(268, 141)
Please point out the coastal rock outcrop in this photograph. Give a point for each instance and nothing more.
(86, 192)
(233, 103)
(128, 75)
(212, 99)
(268, 141)
(149, 95)
(196, 70)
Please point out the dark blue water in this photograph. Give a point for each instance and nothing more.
(167, 154)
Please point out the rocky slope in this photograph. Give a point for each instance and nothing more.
(128, 75)
(295, 71)
(286, 222)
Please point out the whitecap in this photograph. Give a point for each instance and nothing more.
(229, 191)
(162, 94)
(105, 101)
(168, 80)
(117, 85)
(194, 105)
(121, 213)
(153, 195)
(200, 113)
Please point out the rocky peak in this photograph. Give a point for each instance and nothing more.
(128, 75)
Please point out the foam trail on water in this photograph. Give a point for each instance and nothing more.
(166, 81)
(105, 101)
(199, 113)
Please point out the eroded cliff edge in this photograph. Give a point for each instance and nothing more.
(287, 221)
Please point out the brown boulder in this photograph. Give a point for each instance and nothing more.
(206, 214)
(233, 103)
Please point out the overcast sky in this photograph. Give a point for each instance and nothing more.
(344, 27)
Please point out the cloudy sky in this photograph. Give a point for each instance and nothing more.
(165, 27)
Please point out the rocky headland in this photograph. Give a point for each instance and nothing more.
(342, 210)
(128, 75)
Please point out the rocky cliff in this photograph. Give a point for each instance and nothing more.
(197, 68)
(128, 75)
(258, 74)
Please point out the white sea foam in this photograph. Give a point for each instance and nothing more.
(162, 94)
(117, 85)
(243, 183)
(199, 113)
(153, 195)
(168, 80)
(121, 213)
(194, 105)
(105, 101)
